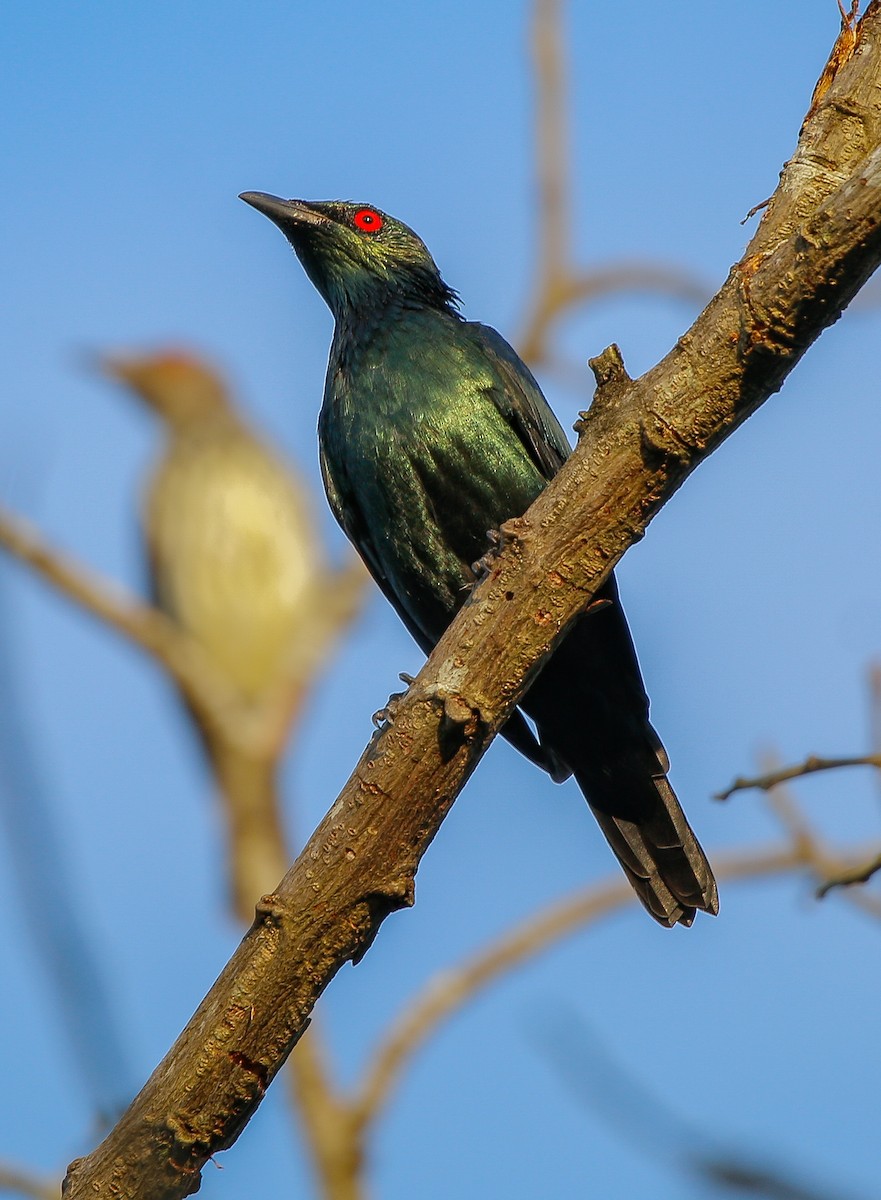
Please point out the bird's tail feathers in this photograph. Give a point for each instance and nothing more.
(660, 856)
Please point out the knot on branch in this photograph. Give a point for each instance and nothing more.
(484, 565)
(460, 722)
(768, 323)
(188, 1144)
(251, 1067)
(662, 443)
(270, 910)
(72, 1167)
(514, 532)
(612, 382)
(398, 893)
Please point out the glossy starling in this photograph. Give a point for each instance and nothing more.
(233, 560)
(432, 432)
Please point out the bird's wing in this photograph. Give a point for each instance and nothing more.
(522, 404)
(344, 507)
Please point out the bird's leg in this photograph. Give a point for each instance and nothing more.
(484, 564)
(386, 715)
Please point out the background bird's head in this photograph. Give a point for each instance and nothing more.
(356, 255)
(179, 387)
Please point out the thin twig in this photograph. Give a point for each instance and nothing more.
(827, 867)
(810, 766)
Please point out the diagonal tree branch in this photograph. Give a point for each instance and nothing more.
(818, 242)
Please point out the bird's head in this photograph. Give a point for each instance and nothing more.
(180, 387)
(356, 255)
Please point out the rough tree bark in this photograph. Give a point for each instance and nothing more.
(819, 240)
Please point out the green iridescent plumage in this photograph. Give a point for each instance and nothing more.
(432, 433)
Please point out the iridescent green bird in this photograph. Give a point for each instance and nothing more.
(433, 432)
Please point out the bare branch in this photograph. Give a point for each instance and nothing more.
(334, 1135)
(811, 766)
(818, 241)
(452, 989)
(827, 867)
(560, 285)
(845, 44)
(551, 141)
(148, 628)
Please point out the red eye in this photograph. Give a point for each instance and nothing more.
(368, 220)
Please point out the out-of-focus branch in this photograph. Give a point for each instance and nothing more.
(245, 718)
(261, 729)
(817, 243)
(560, 285)
(859, 873)
(810, 766)
(21, 1182)
(141, 624)
(774, 775)
(453, 988)
(334, 1137)
(751, 1179)
(827, 868)
(41, 865)
(652, 1123)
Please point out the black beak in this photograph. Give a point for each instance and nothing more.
(284, 212)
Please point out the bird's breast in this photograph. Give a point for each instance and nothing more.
(412, 436)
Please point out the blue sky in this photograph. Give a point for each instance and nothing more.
(755, 599)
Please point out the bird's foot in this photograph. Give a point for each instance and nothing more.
(386, 716)
(484, 564)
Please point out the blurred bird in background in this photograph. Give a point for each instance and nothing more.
(432, 433)
(235, 562)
